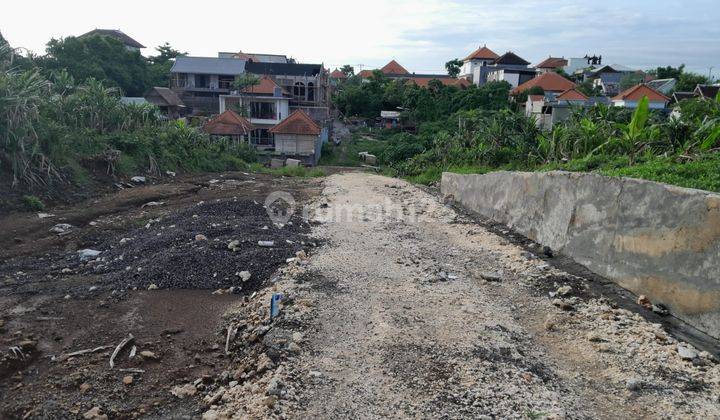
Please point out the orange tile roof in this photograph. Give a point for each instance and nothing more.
(228, 123)
(552, 63)
(297, 123)
(637, 92)
(265, 87)
(482, 53)
(365, 74)
(572, 95)
(550, 82)
(337, 74)
(393, 67)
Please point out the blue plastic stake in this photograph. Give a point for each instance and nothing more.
(275, 304)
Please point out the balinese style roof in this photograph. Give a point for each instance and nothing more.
(571, 94)
(510, 58)
(267, 86)
(117, 34)
(208, 65)
(552, 63)
(229, 123)
(482, 53)
(165, 97)
(393, 67)
(283, 69)
(637, 92)
(663, 86)
(337, 74)
(550, 82)
(365, 74)
(680, 96)
(297, 123)
(707, 91)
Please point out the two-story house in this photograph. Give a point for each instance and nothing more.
(509, 67)
(481, 57)
(265, 105)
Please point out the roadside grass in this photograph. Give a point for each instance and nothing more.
(702, 173)
(346, 153)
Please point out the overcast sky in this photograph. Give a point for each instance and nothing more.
(421, 34)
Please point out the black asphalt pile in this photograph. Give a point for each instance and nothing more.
(207, 246)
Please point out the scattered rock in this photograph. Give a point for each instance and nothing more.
(293, 347)
(85, 387)
(266, 244)
(643, 301)
(270, 401)
(95, 413)
(88, 254)
(170, 173)
(634, 384)
(200, 237)
(491, 277)
(153, 287)
(547, 251)
(61, 228)
(234, 245)
(152, 204)
(45, 215)
(127, 380)
(564, 290)
(244, 275)
(184, 391)
(686, 351)
(148, 355)
(138, 179)
(275, 387)
(211, 400)
(660, 309)
(565, 306)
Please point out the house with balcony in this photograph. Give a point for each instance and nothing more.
(199, 81)
(264, 105)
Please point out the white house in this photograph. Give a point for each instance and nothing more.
(483, 56)
(630, 97)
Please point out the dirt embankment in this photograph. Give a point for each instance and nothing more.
(164, 274)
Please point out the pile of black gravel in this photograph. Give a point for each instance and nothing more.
(167, 254)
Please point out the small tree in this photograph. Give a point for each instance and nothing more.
(244, 81)
(347, 70)
(453, 67)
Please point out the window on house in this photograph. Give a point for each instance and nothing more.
(225, 81)
(202, 81)
(311, 91)
(299, 90)
(262, 110)
(262, 137)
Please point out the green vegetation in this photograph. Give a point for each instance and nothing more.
(55, 129)
(478, 130)
(346, 153)
(33, 203)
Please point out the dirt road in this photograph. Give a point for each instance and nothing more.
(425, 314)
(392, 304)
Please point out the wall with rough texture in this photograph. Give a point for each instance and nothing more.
(653, 239)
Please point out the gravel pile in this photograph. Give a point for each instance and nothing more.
(207, 246)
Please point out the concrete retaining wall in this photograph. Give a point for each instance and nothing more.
(653, 239)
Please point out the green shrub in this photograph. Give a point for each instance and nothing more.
(33, 203)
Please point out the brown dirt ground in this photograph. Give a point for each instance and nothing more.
(182, 327)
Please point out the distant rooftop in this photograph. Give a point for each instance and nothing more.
(117, 34)
(208, 65)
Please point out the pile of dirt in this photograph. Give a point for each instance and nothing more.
(207, 246)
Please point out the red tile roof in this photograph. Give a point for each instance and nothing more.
(365, 74)
(637, 92)
(571, 95)
(337, 74)
(550, 82)
(552, 63)
(393, 67)
(297, 123)
(482, 53)
(265, 87)
(228, 123)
